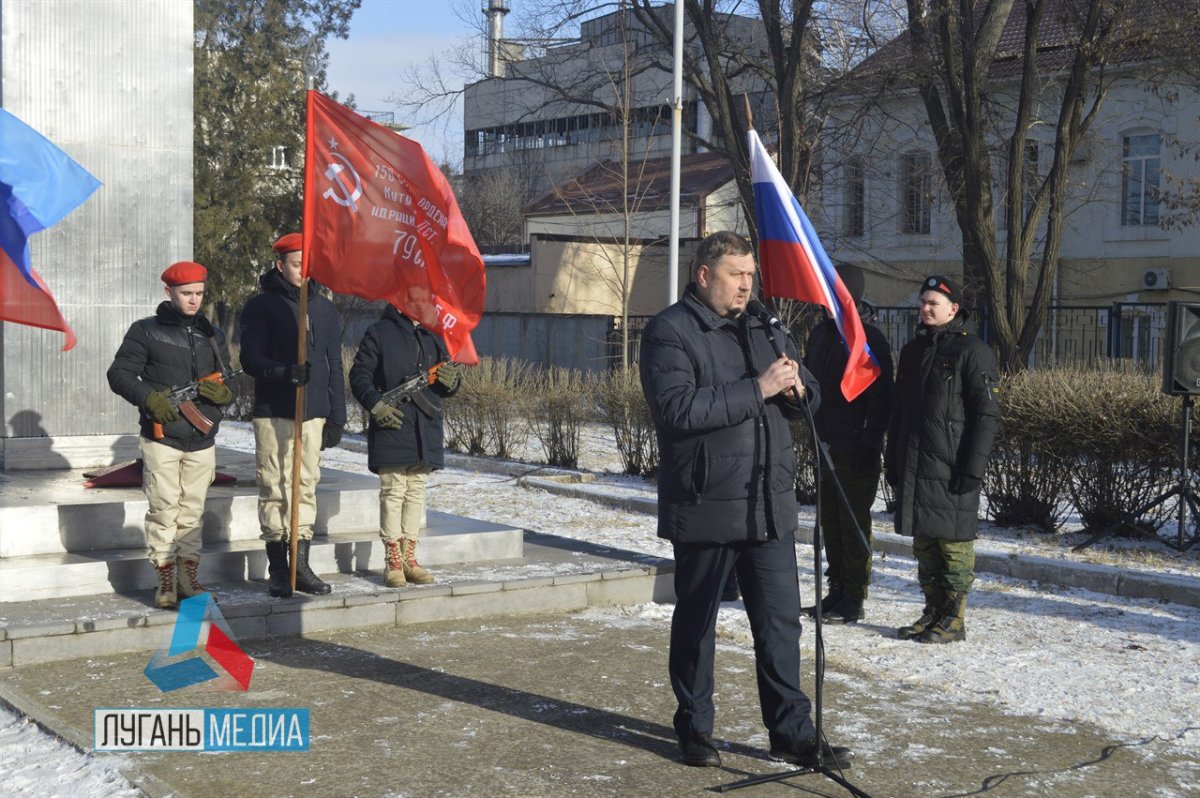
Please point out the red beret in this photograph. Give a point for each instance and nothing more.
(184, 272)
(288, 243)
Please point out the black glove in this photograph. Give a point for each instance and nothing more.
(216, 392)
(160, 408)
(961, 484)
(387, 416)
(865, 462)
(893, 479)
(330, 435)
(299, 373)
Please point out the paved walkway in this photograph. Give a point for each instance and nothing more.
(573, 704)
(529, 678)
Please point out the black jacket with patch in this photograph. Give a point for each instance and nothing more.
(944, 421)
(169, 350)
(269, 329)
(392, 350)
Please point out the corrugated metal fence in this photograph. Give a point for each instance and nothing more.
(1072, 335)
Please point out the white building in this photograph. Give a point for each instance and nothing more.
(885, 204)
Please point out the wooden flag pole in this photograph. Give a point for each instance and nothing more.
(298, 436)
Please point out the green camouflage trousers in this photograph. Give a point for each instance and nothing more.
(849, 562)
(949, 564)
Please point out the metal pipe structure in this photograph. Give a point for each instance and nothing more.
(495, 20)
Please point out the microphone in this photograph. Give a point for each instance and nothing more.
(756, 308)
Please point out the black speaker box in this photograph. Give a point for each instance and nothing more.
(1181, 360)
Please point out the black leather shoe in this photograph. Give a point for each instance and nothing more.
(803, 752)
(697, 750)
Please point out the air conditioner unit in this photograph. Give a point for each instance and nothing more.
(1156, 279)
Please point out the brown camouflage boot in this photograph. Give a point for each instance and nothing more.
(165, 597)
(189, 582)
(413, 572)
(950, 627)
(393, 558)
(929, 616)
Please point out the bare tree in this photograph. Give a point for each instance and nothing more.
(782, 53)
(1050, 49)
(492, 203)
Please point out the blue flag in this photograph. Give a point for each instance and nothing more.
(39, 185)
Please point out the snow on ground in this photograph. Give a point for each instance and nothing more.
(1131, 667)
(35, 763)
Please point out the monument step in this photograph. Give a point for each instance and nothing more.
(51, 512)
(447, 539)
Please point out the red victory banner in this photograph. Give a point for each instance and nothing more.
(380, 222)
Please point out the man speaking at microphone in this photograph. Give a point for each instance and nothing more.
(721, 384)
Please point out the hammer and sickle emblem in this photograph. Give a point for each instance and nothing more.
(346, 197)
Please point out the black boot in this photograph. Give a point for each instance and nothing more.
(848, 610)
(306, 580)
(279, 575)
(836, 591)
(951, 626)
(929, 615)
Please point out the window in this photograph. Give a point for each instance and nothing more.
(855, 199)
(279, 158)
(1139, 179)
(916, 193)
(1031, 179)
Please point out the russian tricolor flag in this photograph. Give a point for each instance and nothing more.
(39, 185)
(794, 265)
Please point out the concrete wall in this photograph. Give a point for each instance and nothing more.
(584, 277)
(110, 82)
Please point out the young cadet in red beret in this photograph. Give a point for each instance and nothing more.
(269, 330)
(175, 346)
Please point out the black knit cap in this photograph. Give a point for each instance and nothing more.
(943, 285)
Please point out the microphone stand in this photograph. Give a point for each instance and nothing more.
(776, 328)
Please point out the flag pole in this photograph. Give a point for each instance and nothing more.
(298, 435)
(676, 147)
(301, 334)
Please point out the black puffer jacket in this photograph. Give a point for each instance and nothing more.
(727, 469)
(848, 427)
(944, 421)
(394, 349)
(269, 327)
(169, 350)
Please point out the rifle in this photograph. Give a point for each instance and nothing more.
(184, 400)
(411, 387)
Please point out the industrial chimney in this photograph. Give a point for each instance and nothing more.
(495, 12)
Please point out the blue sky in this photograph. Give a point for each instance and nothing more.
(386, 36)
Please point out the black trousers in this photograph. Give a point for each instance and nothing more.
(766, 573)
(848, 562)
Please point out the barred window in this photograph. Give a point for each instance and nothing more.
(916, 193)
(855, 200)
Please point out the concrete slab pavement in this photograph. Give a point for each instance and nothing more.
(574, 704)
